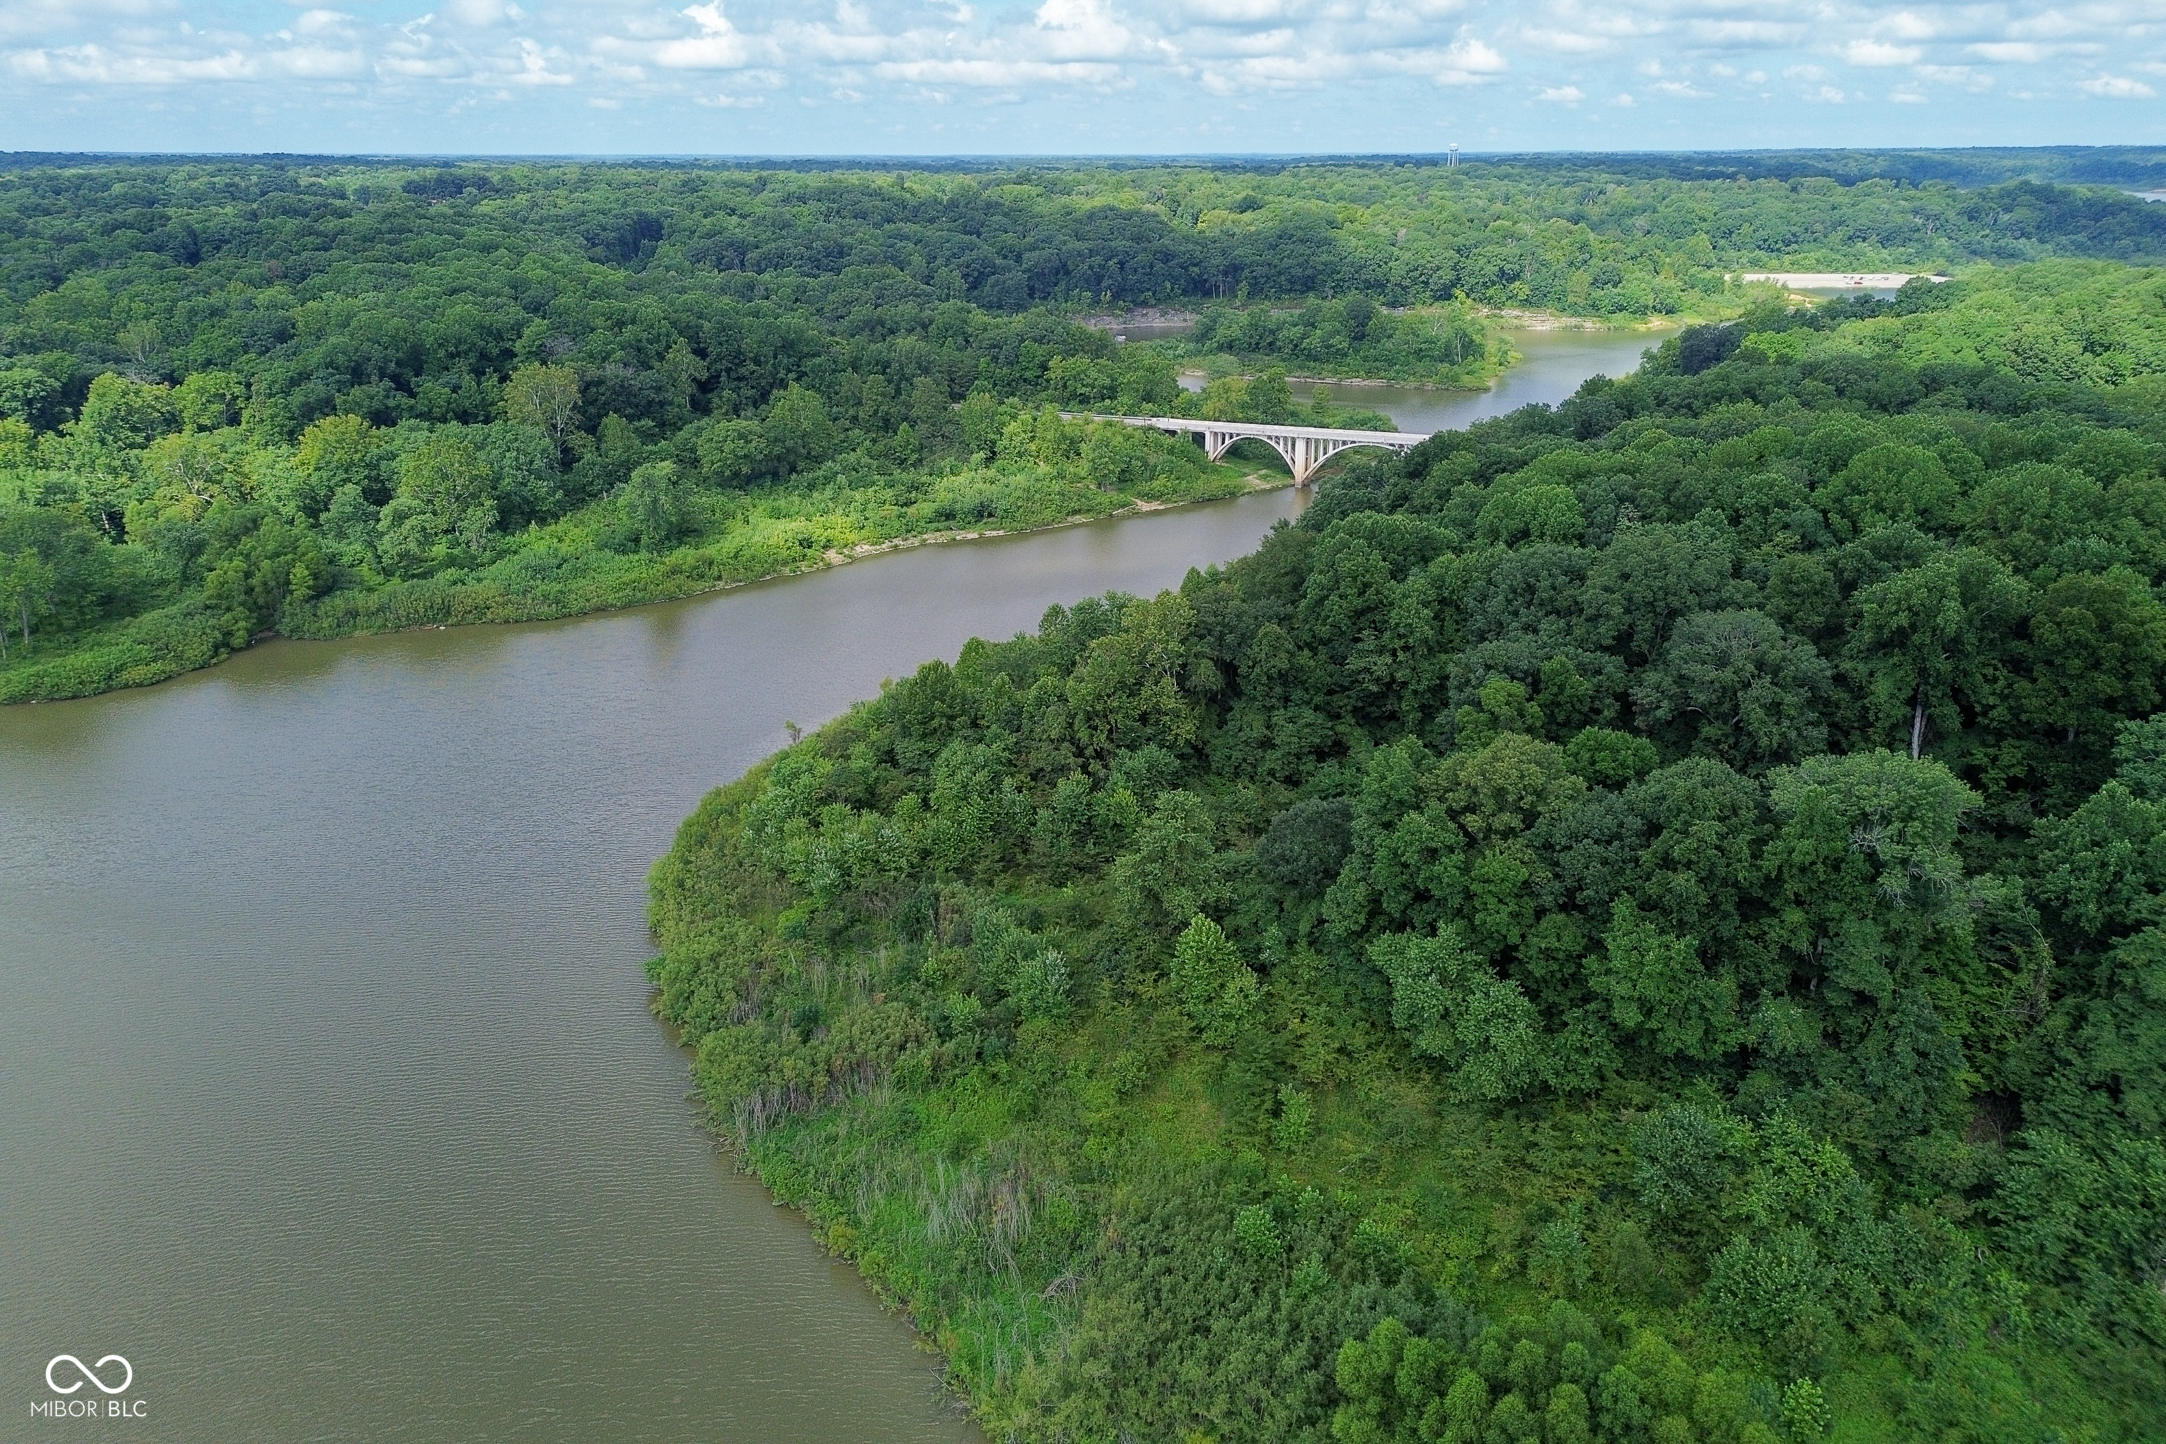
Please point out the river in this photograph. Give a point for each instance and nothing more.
(1551, 367)
(331, 1100)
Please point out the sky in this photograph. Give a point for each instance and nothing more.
(1070, 77)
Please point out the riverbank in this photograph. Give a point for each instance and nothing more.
(1520, 320)
(561, 571)
(575, 566)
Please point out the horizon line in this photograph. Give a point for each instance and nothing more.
(1027, 157)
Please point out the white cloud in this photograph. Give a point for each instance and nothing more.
(998, 72)
(1880, 52)
(534, 67)
(718, 46)
(2010, 52)
(477, 14)
(1908, 25)
(98, 65)
(1567, 42)
(1970, 78)
(1464, 62)
(322, 22)
(1082, 30)
(318, 62)
(1180, 63)
(1235, 12)
(2116, 87)
(1746, 34)
(47, 20)
(2050, 25)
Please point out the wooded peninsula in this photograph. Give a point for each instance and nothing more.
(1640, 921)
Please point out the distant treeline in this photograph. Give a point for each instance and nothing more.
(2108, 165)
(255, 391)
(2080, 165)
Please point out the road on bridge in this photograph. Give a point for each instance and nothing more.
(1304, 448)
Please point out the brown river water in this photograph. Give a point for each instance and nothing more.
(329, 1098)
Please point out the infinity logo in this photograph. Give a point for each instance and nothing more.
(127, 1375)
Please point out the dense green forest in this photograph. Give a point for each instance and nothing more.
(314, 398)
(2133, 166)
(1635, 922)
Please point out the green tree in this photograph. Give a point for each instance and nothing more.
(1217, 990)
(2097, 650)
(26, 591)
(27, 394)
(617, 453)
(1932, 639)
(256, 564)
(1225, 398)
(1893, 484)
(1874, 911)
(1740, 688)
(1685, 1159)
(981, 421)
(798, 430)
(17, 444)
(444, 508)
(120, 415)
(1269, 399)
(1454, 1008)
(653, 506)
(545, 398)
(1127, 690)
(56, 568)
(1659, 992)
(335, 452)
(735, 453)
(1171, 870)
(209, 400)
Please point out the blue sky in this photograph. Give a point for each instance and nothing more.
(902, 77)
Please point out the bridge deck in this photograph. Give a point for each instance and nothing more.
(1264, 430)
(1303, 448)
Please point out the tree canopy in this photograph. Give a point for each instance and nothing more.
(1638, 920)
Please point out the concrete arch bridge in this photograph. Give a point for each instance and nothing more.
(1303, 448)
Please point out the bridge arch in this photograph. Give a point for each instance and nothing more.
(1303, 448)
(1305, 455)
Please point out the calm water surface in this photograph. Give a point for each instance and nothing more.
(1553, 366)
(328, 1093)
(331, 1098)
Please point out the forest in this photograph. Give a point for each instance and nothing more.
(309, 398)
(1638, 921)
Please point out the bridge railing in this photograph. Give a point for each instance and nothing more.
(1302, 448)
(1260, 430)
